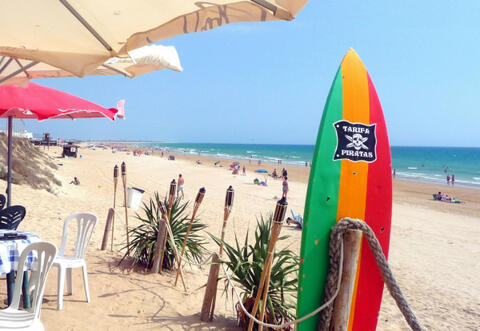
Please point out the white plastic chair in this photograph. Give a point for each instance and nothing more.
(14, 319)
(86, 223)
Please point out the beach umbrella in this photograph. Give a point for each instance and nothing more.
(43, 103)
(80, 35)
(140, 61)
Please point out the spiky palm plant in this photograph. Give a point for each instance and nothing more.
(246, 263)
(144, 237)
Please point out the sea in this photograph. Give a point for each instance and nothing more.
(420, 164)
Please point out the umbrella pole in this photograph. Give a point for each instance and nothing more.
(9, 162)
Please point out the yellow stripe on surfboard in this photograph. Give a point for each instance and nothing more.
(354, 175)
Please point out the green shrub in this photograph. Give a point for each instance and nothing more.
(144, 237)
(246, 262)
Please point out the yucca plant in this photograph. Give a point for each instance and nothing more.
(143, 238)
(246, 263)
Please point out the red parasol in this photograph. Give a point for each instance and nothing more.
(40, 102)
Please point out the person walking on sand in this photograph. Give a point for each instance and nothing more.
(181, 181)
(448, 179)
(285, 187)
(244, 172)
(453, 179)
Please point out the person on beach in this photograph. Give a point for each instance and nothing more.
(75, 181)
(448, 179)
(181, 181)
(274, 174)
(394, 172)
(298, 223)
(453, 179)
(244, 171)
(285, 187)
(284, 173)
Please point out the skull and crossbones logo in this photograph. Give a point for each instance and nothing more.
(357, 141)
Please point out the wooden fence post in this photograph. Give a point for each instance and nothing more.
(341, 308)
(108, 226)
(162, 231)
(211, 290)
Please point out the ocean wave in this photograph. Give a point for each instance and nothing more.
(412, 168)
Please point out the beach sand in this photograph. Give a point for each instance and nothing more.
(434, 246)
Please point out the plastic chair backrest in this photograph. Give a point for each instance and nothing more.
(11, 217)
(45, 254)
(3, 200)
(86, 223)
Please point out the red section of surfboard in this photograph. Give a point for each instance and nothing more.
(378, 214)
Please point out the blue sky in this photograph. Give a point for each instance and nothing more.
(268, 82)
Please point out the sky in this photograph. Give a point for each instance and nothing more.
(268, 82)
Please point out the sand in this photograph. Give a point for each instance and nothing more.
(434, 246)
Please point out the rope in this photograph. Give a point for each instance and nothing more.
(335, 275)
(336, 237)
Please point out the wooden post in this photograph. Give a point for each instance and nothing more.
(265, 277)
(211, 290)
(351, 251)
(162, 230)
(108, 225)
(124, 180)
(208, 315)
(115, 182)
(171, 197)
(198, 201)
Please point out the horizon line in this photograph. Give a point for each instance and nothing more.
(213, 143)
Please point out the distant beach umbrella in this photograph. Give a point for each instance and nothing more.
(78, 36)
(140, 61)
(43, 103)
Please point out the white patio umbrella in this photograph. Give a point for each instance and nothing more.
(140, 61)
(80, 35)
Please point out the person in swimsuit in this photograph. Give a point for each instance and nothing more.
(181, 181)
(285, 187)
(75, 181)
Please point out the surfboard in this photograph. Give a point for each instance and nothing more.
(350, 177)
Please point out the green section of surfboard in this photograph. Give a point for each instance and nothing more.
(320, 210)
